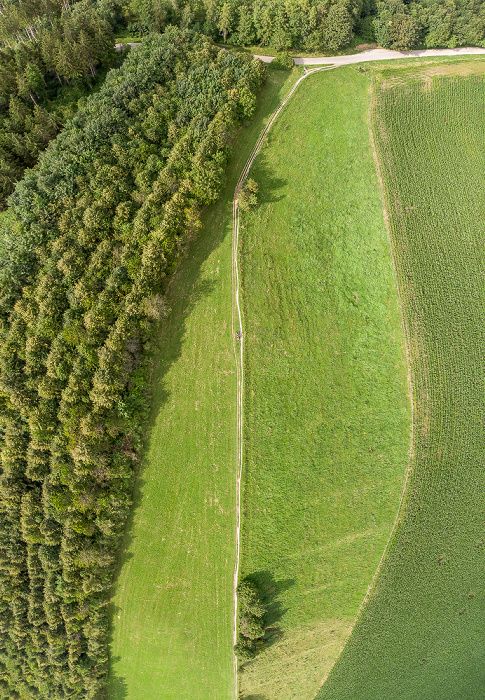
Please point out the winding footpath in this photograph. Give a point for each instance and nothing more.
(327, 63)
(238, 336)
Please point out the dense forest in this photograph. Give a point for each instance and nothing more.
(319, 25)
(43, 49)
(87, 245)
(48, 44)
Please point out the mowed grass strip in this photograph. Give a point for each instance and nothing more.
(172, 611)
(422, 635)
(327, 406)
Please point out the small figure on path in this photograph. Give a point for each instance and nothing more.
(239, 335)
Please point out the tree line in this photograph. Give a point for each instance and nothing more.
(430, 23)
(308, 25)
(86, 249)
(43, 48)
(314, 25)
(280, 24)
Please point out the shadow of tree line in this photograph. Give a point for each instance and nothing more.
(193, 290)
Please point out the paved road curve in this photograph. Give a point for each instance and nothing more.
(378, 55)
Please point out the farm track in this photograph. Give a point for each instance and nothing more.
(380, 55)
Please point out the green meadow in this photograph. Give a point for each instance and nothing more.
(421, 635)
(327, 409)
(327, 405)
(172, 611)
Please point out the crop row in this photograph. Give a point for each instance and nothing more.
(422, 633)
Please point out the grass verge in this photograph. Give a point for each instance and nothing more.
(173, 602)
(327, 407)
(421, 635)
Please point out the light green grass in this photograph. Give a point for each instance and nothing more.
(422, 634)
(327, 408)
(129, 39)
(173, 604)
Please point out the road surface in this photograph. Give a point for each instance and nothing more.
(378, 55)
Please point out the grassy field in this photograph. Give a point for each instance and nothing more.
(422, 634)
(173, 604)
(327, 406)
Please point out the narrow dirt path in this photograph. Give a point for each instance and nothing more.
(238, 338)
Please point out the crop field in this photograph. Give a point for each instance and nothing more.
(172, 613)
(327, 403)
(422, 633)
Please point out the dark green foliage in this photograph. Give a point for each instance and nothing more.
(282, 61)
(89, 243)
(314, 26)
(395, 28)
(42, 49)
(402, 25)
(248, 197)
(244, 649)
(337, 31)
(305, 24)
(251, 614)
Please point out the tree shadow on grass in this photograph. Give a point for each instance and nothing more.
(186, 287)
(269, 186)
(183, 294)
(270, 590)
(118, 690)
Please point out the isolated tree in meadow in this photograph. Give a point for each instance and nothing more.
(244, 649)
(282, 61)
(248, 197)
